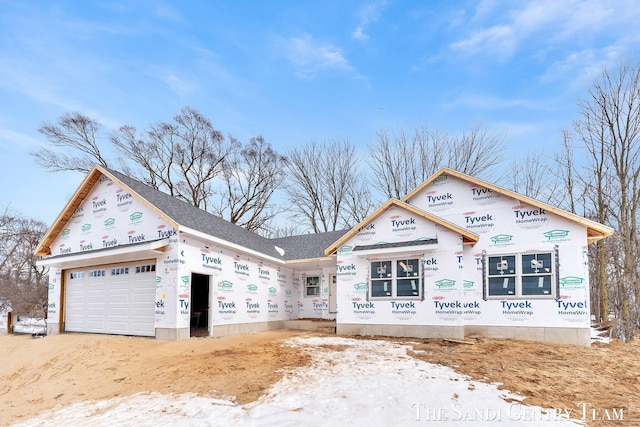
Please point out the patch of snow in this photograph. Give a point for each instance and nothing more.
(595, 336)
(349, 382)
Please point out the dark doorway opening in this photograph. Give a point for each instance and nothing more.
(199, 305)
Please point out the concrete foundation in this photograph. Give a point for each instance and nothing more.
(576, 336)
(413, 331)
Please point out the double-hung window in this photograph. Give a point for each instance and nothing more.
(397, 278)
(312, 287)
(524, 275)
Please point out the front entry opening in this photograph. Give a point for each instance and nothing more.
(199, 305)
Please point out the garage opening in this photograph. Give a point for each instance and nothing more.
(111, 299)
(199, 305)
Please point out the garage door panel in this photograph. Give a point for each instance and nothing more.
(117, 301)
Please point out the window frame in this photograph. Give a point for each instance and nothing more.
(308, 286)
(520, 273)
(394, 263)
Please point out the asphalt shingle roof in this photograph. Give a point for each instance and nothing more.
(300, 247)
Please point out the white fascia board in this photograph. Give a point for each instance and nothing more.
(122, 253)
(209, 238)
(396, 251)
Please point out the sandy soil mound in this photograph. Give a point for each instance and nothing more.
(55, 371)
(52, 372)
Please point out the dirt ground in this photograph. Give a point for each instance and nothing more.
(52, 372)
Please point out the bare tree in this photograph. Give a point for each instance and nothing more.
(23, 285)
(475, 152)
(400, 163)
(609, 128)
(321, 175)
(185, 158)
(77, 133)
(181, 158)
(533, 176)
(359, 202)
(251, 176)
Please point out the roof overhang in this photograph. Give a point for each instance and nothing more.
(414, 246)
(224, 243)
(311, 263)
(595, 230)
(124, 253)
(44, 247)
(468, 237)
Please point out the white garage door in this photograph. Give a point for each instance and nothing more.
(114, 299)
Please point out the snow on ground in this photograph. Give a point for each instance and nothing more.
(350, 382)
(596, 337)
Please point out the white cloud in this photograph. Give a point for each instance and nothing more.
(369, 13)
(310, 56)
(499, 30)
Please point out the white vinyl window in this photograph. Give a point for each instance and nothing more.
(312, 286)
(525, 275)
(397, 279)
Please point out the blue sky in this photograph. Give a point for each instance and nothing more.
(293, 71)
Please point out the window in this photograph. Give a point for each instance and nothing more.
(119, 271)
(145, 268)
(520, 275)
(312, 287)
(76, 275)
(97, 273)
(398, 279)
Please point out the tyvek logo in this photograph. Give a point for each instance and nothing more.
(252, 289)
(65, 233)
(366, 233)
(86, 228)
(99, 206)
(346, 271)
(123, 200)
(211, 262)
(484, 196)
(439, 201)
(241, 269)
(526, 217)
(109, 223)
(403, 226)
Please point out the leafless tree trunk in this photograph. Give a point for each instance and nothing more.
(399, 163)
(533, 176)
(321, 178)
(251, 176)
(475, 152)
(609, 128)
